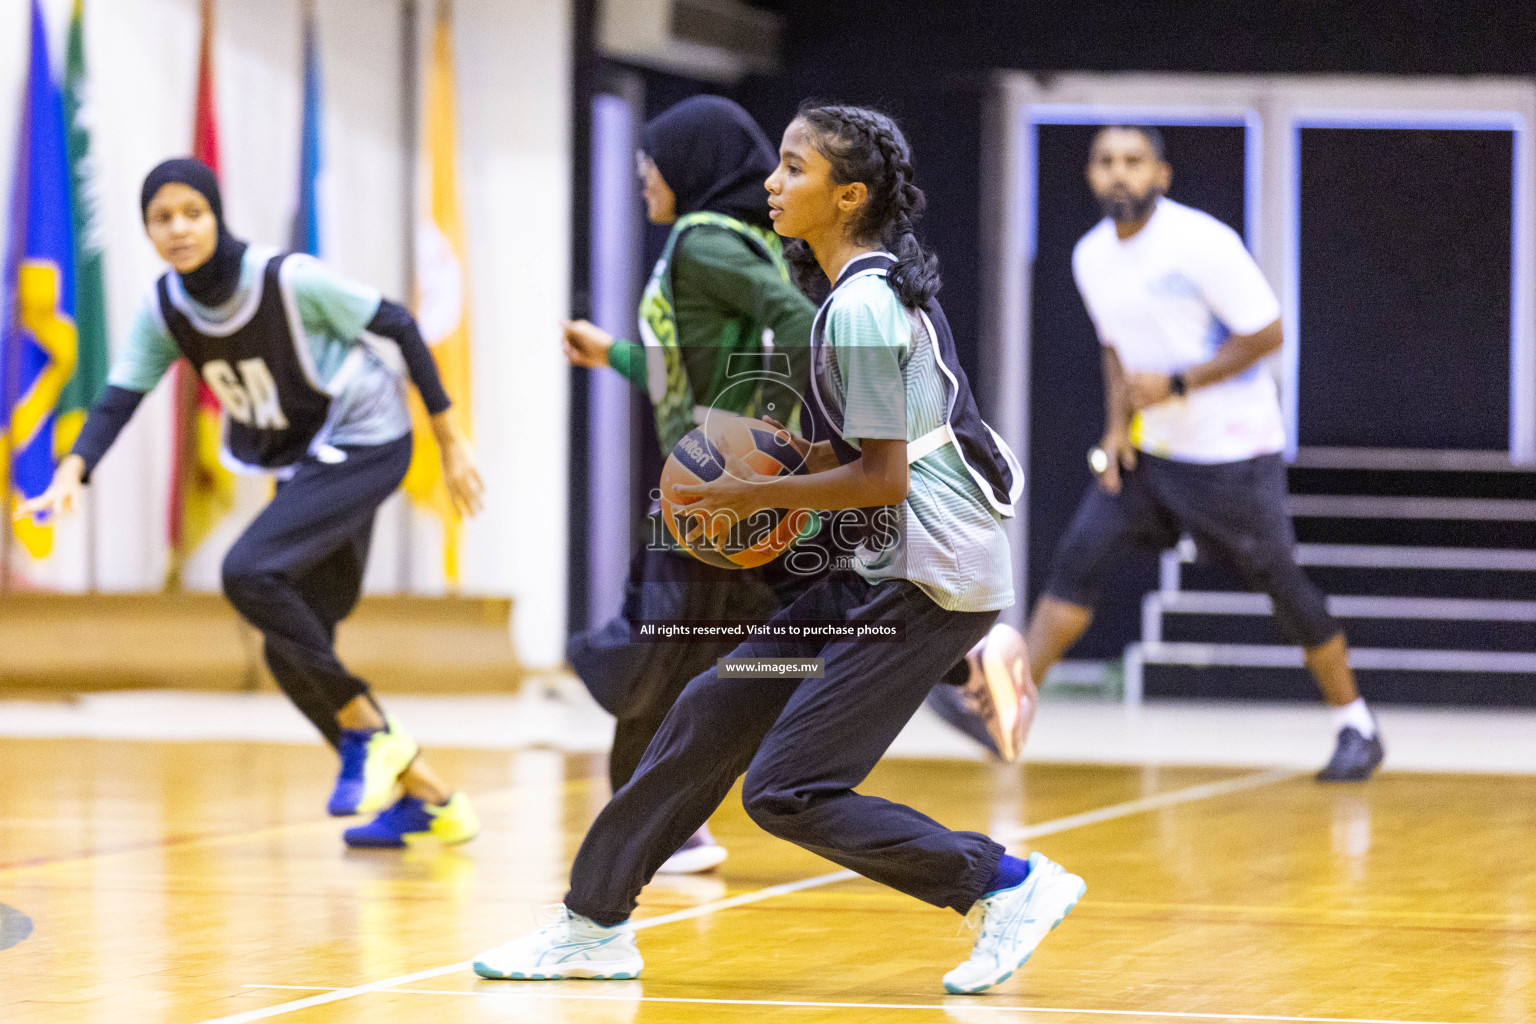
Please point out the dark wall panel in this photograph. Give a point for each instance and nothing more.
(1405, 288)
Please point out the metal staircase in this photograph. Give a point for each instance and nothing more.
(1433, 571)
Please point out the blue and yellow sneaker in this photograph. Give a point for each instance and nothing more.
(371, 762)
(409, 820)
(569, 946)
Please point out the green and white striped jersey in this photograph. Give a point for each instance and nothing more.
(878, 367)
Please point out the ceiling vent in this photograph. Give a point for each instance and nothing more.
(712, 40)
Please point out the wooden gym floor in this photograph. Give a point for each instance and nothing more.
(200, 881)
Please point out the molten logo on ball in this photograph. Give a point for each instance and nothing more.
(699, 458)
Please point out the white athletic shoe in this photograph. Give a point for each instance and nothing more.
(1013, 923)
(699, 854)
(569, 946)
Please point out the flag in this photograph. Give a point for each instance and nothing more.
(90, 292)
(202, 490)
(306, 220)
(442, 286)
(37, 334)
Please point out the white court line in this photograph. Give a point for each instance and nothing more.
(1121, 810)
(968, 1005)
(1150, 803)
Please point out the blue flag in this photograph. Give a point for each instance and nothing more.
(38, 346)
(306, 221)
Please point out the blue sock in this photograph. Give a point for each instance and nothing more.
(1010, 872)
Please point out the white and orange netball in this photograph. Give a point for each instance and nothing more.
(700, 457)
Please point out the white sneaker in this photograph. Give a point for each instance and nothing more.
(570, 946)
(1013, 923)
(699, 854)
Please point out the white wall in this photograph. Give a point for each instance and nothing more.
(514, 102)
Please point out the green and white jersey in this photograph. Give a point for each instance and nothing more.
(878, 366)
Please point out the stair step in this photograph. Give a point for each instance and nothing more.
(1226, 602)
(1505, 534)
(1391, 556)
(1257, 656)
(1406, 460)
(1352, 506)
(1285, 656)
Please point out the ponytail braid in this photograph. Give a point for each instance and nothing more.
(866, 145)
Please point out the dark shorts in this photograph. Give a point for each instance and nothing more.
(1235, 511)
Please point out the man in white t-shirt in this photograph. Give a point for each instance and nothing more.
(1193, 428)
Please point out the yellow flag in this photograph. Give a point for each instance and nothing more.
(442, 286)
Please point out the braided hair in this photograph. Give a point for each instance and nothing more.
(866, 145)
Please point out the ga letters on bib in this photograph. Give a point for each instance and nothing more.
(258, 366)
(250, 396)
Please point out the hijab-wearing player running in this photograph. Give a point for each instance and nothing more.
(896, 428)
(291, 349)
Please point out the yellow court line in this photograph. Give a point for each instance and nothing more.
(1121, 810)
(968, 1004)
(571, 786)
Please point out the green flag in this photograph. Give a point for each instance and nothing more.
(90, 296)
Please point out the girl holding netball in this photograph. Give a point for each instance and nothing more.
(894, 425)
(289, 348)
(720, 298)
(721, 294)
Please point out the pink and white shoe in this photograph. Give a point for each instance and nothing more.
(996, 705)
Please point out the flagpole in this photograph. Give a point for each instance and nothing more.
(10, 379)
(5, 428)
(10, 369)
(10, 497)
(410, 132)
(11, 383)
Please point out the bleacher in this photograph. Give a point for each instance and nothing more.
(1428, 564)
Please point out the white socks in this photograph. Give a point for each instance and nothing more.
(1355, 715)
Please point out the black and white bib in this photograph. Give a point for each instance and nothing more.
(986, 456)
(259, 366)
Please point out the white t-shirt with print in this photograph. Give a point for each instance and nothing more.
(1166, 298)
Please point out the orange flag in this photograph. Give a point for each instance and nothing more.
(442, 300)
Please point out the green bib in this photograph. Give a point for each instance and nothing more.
(673, 396)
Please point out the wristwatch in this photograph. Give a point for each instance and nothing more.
(1177, 386)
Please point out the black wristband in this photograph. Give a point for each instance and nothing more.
(1177, 385)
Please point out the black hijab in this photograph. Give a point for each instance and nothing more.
(215, 281)
(713, 156)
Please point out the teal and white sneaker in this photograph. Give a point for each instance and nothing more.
(569, 946)
(1013, 923)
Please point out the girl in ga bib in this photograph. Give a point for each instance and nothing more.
(294, 353)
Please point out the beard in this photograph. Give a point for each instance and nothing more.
(1125, 208)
